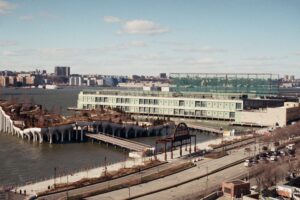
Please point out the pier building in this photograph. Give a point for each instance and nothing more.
(242, 98)
(207, 96)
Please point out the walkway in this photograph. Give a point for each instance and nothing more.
(203, 128)
(202, 168)
(121, 142)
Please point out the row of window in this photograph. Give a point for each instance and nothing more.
(180, 103)
(178, 112)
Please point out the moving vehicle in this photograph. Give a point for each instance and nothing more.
(273, 158)
(247, 163)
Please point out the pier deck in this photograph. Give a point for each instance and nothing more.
(121, 142)
(203, 128)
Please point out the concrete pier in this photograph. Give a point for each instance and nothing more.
(76, 131)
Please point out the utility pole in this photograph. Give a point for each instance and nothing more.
(54, 176)
(105, 166)
(206, 192)
(129, 192)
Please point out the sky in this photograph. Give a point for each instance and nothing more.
(118, 37)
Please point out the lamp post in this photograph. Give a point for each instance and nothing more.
(54, 176)
(129, 192)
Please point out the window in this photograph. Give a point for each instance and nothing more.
(181, 103)
(176, 111)
(238, 106)
(141, 101)
(232, 115)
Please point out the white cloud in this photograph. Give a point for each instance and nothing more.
(9, 53)
(5, 43)
(26, 17)
(203, 61)
(143, 27)
(111, 19)
(202, 50)
(264, 58)
(48, 15)
(297, 53)
(137, 26)
(6, 7)
(137, 44)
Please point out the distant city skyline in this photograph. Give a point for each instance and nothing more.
(149, 37)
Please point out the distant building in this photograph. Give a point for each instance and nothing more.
(62, 71)
(75, 80)
(12, 80)
(292, 77)
(4, 81)
(163, 75)
(100, 82)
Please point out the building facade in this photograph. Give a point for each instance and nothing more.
(62, 71)
(163, 103)
(75, 80)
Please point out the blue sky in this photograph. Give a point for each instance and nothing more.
(148, 37)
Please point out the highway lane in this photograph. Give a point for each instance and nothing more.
(202, 168)
(104, 185)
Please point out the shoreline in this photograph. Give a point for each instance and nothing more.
(34, 188)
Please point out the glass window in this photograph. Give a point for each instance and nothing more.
(181, 103)
(238, 106)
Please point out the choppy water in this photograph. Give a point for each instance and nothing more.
(22, 161)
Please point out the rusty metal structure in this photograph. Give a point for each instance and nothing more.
(181, 136)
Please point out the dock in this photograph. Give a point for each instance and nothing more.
(121, 142)
(205, 129)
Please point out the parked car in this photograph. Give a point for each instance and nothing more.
(247, 163)
(282, 153)
(275, 153)
(254, 161)
(273, 158)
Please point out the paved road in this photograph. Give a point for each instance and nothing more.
(202, 168)
(107, 184)
(193, 189)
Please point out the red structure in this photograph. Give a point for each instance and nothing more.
(180, 137)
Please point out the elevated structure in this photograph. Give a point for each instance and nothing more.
(243, 83)
(31, 122)
(181, 136)
(205, 129)
(121, 142)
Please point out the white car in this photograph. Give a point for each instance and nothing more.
(247, 163)
(273, 158)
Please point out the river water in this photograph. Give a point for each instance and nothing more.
(22, 161)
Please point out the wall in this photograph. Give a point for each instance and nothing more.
(266, 117)
(269, 116)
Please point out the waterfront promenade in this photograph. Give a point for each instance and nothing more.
(34, 188)
(151, 190)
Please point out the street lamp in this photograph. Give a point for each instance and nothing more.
(129, 192)
(54, 176)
